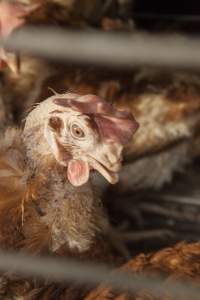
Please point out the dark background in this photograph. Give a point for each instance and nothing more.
(168, 15)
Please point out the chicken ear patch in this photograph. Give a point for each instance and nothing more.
(78, 172)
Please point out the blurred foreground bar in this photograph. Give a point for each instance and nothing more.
(60, 270)
(121, 50)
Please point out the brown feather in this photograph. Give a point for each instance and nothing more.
(179, 262)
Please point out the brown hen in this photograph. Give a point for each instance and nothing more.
(181, 262)
(47, 202)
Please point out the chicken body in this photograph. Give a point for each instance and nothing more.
(65, 214)
(42, 213)
(47, 201)
(180, 262)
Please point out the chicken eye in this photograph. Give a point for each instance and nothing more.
(77, 131)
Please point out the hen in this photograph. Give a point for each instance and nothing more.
(51, 205)
(180, 262)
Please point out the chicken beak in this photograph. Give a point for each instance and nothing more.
(111, 177)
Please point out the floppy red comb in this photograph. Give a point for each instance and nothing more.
(88, 104)
(113, 125)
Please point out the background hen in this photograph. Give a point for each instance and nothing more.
(178, 263)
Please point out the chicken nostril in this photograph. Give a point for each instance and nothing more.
(113, 160)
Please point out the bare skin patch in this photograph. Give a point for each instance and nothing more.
(78, 172)
(56, 124)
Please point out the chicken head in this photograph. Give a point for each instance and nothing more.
(81, 133)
